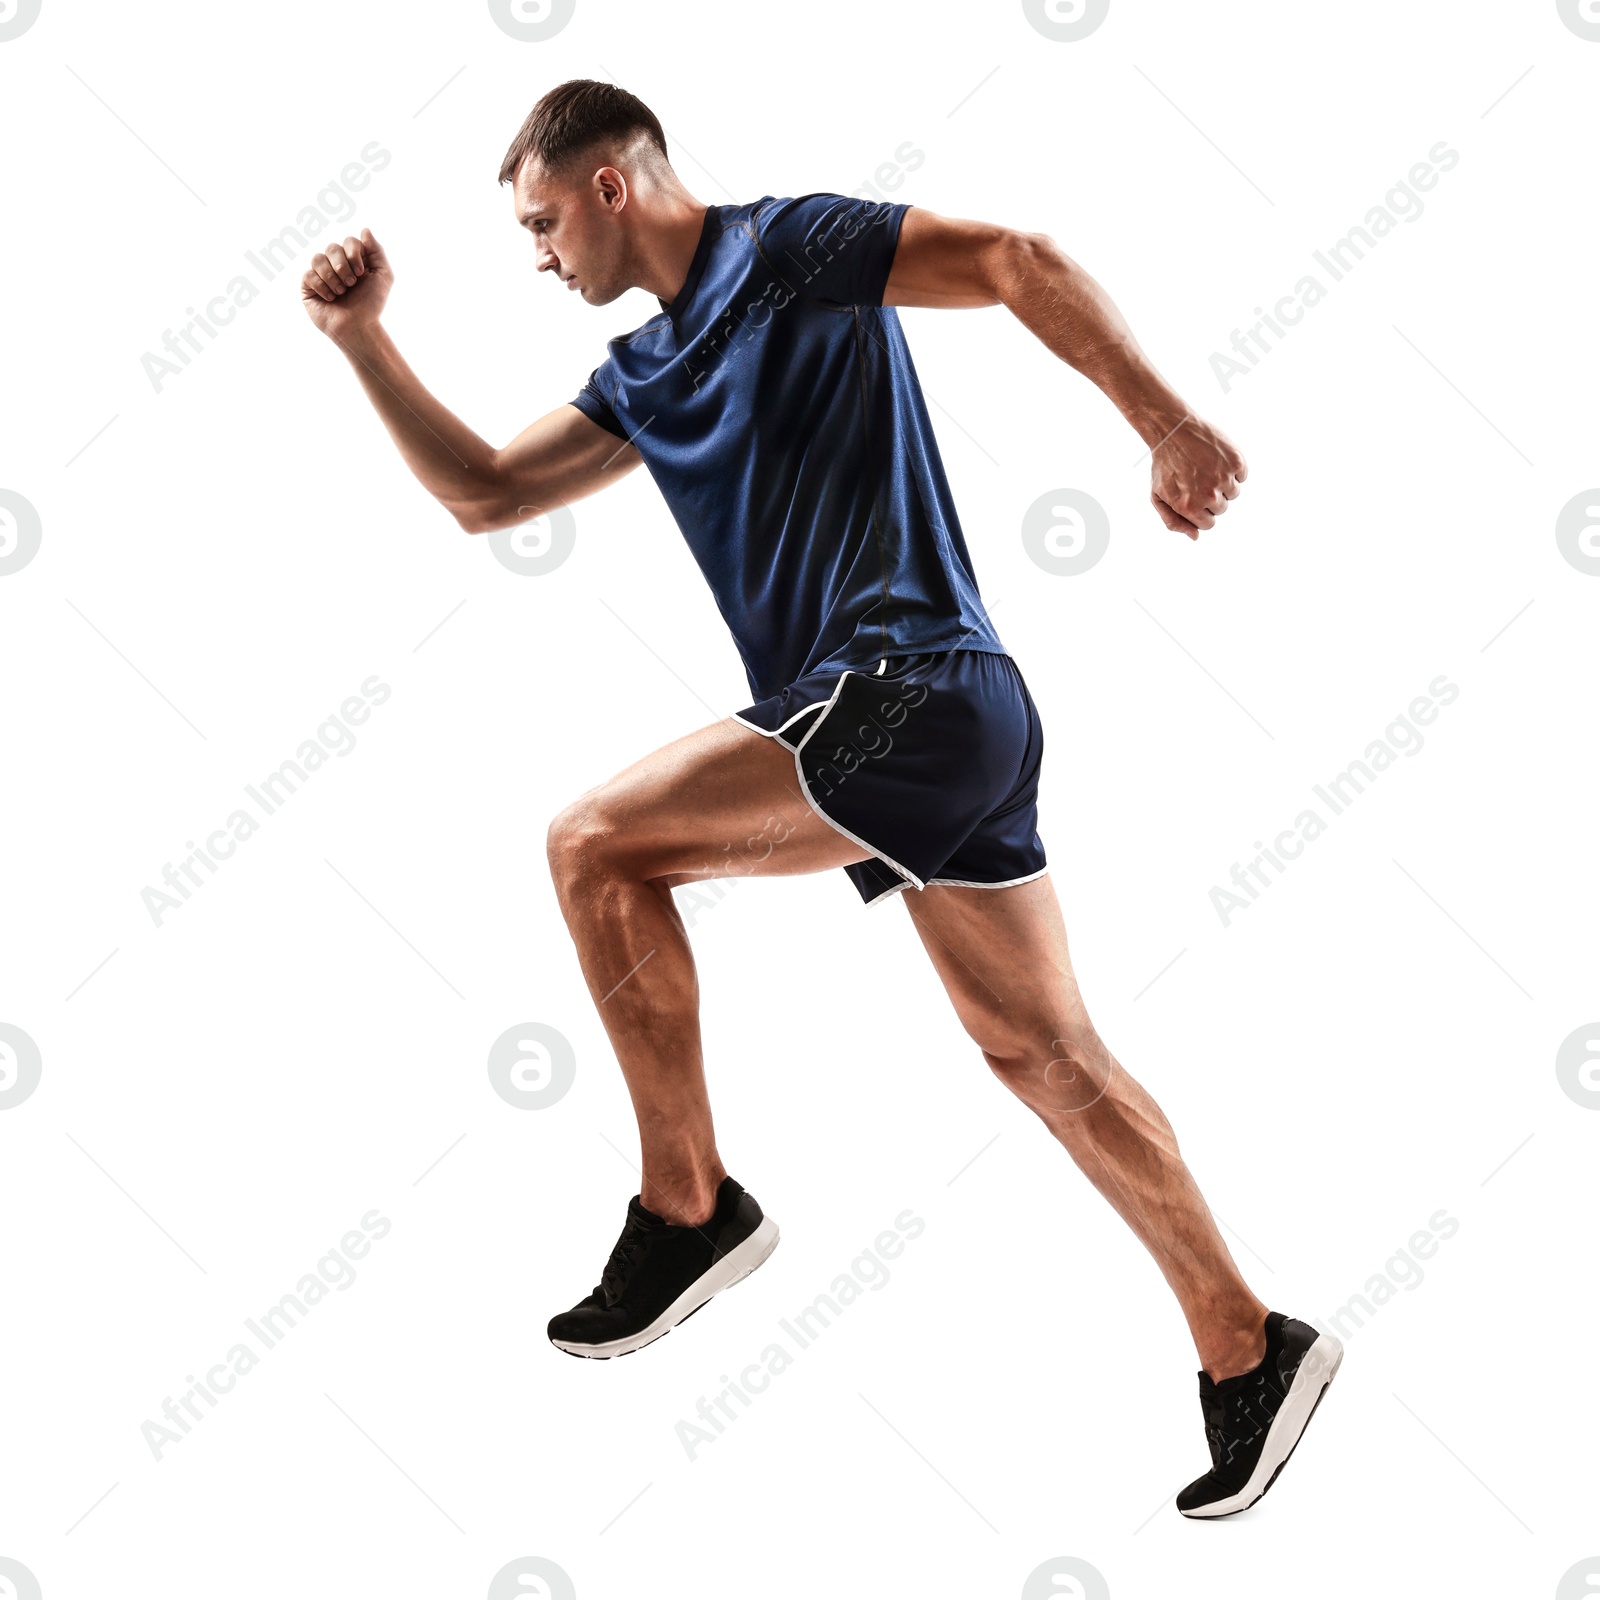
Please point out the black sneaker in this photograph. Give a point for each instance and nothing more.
(660, 1273)
(1254, 1420)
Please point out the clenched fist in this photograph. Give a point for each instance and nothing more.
(346, 286)
(1194, 472)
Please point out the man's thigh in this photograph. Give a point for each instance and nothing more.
(720, 802)
(1002, 957)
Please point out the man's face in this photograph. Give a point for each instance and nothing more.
(576, 226)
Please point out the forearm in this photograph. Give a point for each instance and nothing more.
(1056, 300)
(448, 459)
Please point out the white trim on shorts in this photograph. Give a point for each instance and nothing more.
(885, 894)
(962, 883)
(805, 789)
(772, 733)
(804, 711)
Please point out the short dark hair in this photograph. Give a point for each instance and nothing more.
(574, 116)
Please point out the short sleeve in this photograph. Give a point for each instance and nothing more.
(833, 247)
(595, 397)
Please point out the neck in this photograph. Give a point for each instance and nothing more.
(667, 244)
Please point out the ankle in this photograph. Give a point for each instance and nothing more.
(690, 1211)
(1233, 1350)
(683, 1198)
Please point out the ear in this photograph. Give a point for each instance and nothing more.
(611, 188)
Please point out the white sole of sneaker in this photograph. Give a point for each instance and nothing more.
(1310, 1383)
(739, 1263)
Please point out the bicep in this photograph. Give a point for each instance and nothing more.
(562, 457)
(947, 263)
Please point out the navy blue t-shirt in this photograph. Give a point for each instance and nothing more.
(775, 404)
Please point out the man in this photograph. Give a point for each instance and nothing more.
(774, 401)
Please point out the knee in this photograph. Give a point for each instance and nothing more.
(1040, 1063)
(581, 843)
(1012, 1046)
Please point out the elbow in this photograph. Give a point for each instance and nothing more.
(489, 516)
(481, 507)
(497, 498)
(1033, 249)
(1017, 259)
(475, 518)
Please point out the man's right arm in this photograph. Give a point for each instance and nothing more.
(558, 459)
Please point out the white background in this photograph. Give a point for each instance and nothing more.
(1374, 1040)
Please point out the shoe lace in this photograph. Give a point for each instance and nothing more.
(625, 1256)
(1237, 1417)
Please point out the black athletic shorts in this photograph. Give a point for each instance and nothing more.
(929, 761)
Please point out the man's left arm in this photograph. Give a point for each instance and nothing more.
(948, 263)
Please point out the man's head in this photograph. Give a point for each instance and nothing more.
(582, 168)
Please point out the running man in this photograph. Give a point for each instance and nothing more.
(774, 402)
